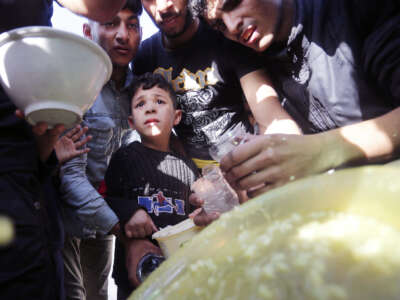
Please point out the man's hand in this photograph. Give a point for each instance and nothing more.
(140, 225)
(45, 137)
(269, 161)
(199, 216)
(70, 144)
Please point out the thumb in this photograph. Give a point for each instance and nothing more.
(153, 226)
(128, 232)
(19, 114)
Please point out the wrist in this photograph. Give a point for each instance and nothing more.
(337, 151)
(116, 230)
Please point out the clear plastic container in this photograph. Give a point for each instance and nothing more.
(216, 192)
(227, 142)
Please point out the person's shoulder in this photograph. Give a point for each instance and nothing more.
(206, 32)
(186, 161)
(148, 50)
(150, 42)
(125, 151)
(131, 147)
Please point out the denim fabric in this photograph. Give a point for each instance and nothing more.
(85, 211)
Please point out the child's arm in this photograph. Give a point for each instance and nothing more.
(140, 225)
(134, 221)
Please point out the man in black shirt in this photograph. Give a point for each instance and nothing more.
(335, 65)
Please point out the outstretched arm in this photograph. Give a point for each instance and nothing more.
(269, 161)
(98, 10)
(266, 162)
(265, 106)
(85, 210)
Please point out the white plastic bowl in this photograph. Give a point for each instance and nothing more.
(52, 75)
(171, 238)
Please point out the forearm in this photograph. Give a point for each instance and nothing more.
(368, 141)
(265, 106)
(98, 10)
(122, 207)
(82, 199)
(280, 125)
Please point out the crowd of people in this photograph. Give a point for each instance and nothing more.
(321, 79)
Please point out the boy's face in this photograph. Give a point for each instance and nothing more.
(153, 113)
(120, 37)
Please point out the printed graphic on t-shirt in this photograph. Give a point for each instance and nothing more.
(197, 94)
(158, 204)
(188, 81)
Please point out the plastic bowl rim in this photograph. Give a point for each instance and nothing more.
(45, 31)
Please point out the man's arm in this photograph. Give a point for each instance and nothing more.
(368, 141)
(86, 212)
(98, 10)
(270, 161)
(265, 106)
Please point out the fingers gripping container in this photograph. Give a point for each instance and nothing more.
(216, 192)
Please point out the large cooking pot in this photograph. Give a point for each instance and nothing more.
(331, 236)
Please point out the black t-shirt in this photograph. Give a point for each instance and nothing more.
(205, 73)
(20, 13)
(159, 182)
(17, 143)
(341, 62)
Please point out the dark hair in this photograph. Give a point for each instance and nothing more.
(197, 7)
(150, 80)
(134, 6)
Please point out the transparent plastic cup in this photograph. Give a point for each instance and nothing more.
(216, 192)
(227, 142)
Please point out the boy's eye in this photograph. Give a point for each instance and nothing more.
(139, 104)
(229, 5)
(160, 101)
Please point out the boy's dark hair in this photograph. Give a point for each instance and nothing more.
(134, 6)
(150, 80)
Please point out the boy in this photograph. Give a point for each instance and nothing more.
(146, 180)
